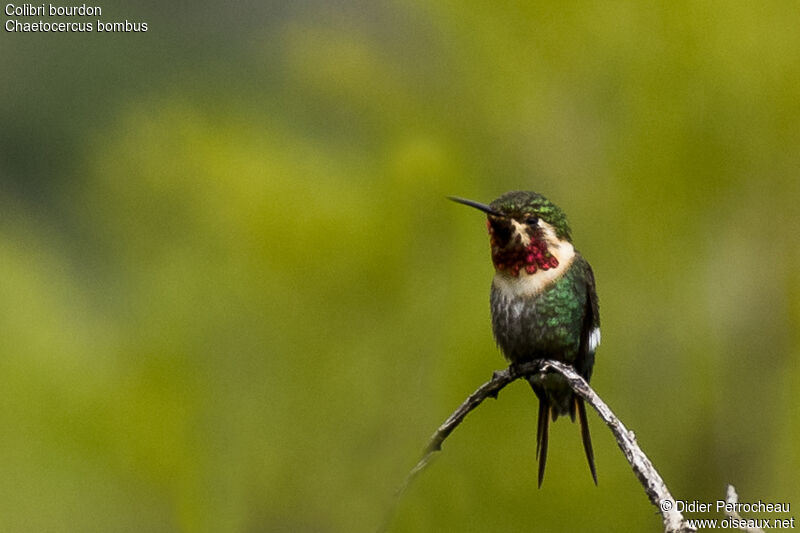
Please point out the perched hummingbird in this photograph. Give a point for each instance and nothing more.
(544, 304)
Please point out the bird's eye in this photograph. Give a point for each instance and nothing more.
(532, 221)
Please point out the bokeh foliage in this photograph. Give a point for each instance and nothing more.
(235, 298)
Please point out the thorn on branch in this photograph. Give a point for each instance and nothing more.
(732, 499)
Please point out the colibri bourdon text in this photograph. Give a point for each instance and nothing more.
(13, 25)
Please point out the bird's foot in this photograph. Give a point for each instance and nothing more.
(514, 370)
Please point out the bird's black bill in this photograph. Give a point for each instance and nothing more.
(477, 205)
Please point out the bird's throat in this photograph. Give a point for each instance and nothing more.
(524, 253)
(517, 274)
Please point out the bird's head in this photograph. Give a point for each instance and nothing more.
(525, 228)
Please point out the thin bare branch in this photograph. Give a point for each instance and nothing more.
(648, 476)
(490, 389)
(643, 468)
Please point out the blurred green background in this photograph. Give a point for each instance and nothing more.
(235, 299)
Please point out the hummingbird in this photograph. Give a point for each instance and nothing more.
(544, 304)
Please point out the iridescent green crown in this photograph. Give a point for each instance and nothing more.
(523, 204)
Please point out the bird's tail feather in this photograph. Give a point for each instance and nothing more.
(587, 439)
(542, 434)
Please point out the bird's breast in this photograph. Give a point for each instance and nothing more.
(537, 317)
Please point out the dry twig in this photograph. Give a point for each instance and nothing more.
(654, 486)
